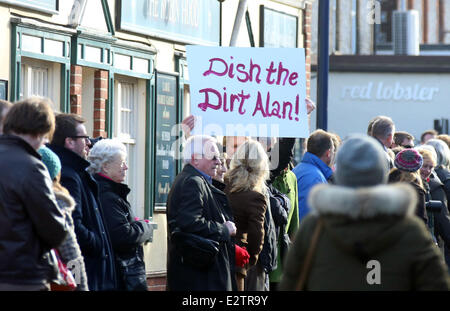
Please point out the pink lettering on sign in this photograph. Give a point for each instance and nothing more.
(219, 67)
(220, 101)
(276, 108)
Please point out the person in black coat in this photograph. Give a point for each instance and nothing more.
(71, 143)
(108, 165)
(193, 207)
(439, 223)
(31, 223)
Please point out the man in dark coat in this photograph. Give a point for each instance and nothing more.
(31, 223)
(70, 142)
(193, 207)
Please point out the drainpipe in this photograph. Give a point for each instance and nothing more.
(323, 65)
(238, 20)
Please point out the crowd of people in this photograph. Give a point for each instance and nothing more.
(372, 200)
(60, 192)
(366, 213)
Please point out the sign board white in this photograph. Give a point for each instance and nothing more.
(248, 91)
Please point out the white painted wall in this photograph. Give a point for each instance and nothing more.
(413, 101)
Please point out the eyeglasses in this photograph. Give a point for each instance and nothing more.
(85, 137)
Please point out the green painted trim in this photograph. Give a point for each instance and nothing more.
(108, 18)
(132, 74)
(47, 33)
(133, 52)
(93, 65)
(149, 148)
(110, 106)
(15, 64)
(65, 88)
(48, 58)
(179, 62)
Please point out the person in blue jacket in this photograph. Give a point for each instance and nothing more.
(315, 167)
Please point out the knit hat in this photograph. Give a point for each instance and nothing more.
(51, 160)
(408, 160)
(361, 162)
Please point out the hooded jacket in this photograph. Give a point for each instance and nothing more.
(69, 249)
(362, 227)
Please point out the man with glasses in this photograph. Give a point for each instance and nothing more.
(193, 207)
(403, 139)
(71, 143)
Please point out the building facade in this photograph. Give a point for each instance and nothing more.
(366, 79)
(122, 66)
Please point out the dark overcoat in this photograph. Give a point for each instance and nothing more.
(92, 234)
(194, 206)
(31, 223)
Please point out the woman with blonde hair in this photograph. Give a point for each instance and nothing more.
(247, 193)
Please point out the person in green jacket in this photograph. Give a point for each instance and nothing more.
(370, 238)
(286, 183)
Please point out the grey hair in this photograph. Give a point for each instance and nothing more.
(104, 151)
(442, 151)
(197, 144)
(383, 127)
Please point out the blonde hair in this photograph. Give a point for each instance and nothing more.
(408, 177)
(249, 168)
(428, 155)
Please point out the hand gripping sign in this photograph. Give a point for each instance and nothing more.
(257, 92)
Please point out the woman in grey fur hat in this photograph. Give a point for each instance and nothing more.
(362, 234)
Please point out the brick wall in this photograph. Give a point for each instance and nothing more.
(76, 78)
(100, 97)
(156, 283)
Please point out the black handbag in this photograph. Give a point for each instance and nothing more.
(132, 272)
(195, 250)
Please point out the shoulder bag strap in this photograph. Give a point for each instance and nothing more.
(309, 256)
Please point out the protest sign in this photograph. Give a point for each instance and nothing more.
(248, 91)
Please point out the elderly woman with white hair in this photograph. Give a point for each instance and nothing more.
(127, 234)
(442, 168)
(247, 192)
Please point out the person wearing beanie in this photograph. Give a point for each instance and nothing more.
(407, 169)
(69, 249)
(362, 233)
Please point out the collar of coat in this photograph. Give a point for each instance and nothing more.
(363, 203)
(18, 141)
(317, 162)
(110, 185)
(65, 201)
(69, 158)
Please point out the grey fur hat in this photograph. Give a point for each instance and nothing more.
(361, 162)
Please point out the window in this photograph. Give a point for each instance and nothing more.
(383, 31)
(34, 81)
(126, 116)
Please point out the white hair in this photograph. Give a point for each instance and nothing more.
(198, 144)
(442, 150)
(104, 151)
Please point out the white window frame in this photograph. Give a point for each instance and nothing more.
(127, 139)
